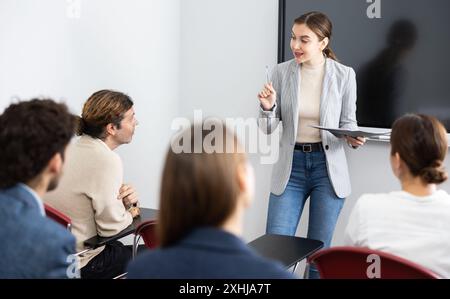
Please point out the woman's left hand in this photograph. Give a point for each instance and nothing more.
(355, 142)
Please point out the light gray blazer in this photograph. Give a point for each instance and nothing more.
(337, 110)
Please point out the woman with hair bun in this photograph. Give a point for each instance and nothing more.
(412, 223)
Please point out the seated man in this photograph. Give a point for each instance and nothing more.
(91, 192)
(412, 223)
(33, 139)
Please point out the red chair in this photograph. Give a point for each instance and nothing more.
(354, 263)
(58, 217)
(147, 231)
(62, 219)
(65, 221)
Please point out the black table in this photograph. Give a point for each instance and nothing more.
(288, 250)
(97, 241)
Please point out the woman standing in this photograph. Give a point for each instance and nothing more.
(311, 89)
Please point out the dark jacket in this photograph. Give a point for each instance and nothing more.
(206, 253)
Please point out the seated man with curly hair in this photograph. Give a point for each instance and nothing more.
(33, 139)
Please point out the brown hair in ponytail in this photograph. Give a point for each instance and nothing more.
(321, 25)
(421, 142)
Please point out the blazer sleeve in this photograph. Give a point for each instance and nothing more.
(67, 265)
(348, 113)
(268, 120)
(61, 260)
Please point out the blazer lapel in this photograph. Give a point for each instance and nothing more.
(294, 90)
(327, 84)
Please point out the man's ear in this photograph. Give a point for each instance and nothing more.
(111, 129)
(55, 164)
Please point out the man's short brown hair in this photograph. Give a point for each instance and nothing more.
(102, 108)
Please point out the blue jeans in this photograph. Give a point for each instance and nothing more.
(309, 178)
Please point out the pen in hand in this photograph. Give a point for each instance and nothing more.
(267, 96)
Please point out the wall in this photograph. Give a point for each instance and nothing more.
(47, 48)
(225, 46)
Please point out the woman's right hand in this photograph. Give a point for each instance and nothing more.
(267, 96)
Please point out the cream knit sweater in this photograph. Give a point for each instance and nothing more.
(310, 92)
(88, 190)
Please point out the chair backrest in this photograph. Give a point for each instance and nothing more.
(359, 263)
(58, 217)
(147, 231)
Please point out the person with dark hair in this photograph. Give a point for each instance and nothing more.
(203, 197)
(92, 192)
(33, 139)
(412, 223)
(310, 90)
